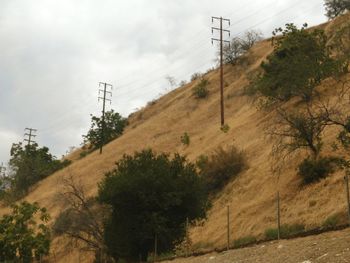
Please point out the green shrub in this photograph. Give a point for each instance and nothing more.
(313, 170)
(285, 231)
(222, 166)
(83, 154)
(200, 91)
(244, 241)
(331, 221)
(225, 128)
(185, 139)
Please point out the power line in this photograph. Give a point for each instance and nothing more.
(105, 92)
(221, 40)
(30, 135)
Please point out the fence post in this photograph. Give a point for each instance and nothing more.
(346, 179)
(155, 248)
(278, 216)
(228, 227)
(187, 239)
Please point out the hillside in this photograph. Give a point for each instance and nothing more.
(251, 196)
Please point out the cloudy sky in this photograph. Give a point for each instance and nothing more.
(53, 54)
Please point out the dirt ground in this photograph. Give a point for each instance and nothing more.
(331, 247)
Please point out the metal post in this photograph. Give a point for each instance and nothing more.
(155, 248)
(278, 216)
(228, 227)
(187, 239)
(346, 179)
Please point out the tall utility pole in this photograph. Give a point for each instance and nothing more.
(104, 91)
(221, 59)
(30, 134)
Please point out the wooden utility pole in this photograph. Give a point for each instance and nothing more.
(30, 134)
(103, 98)
(221, 60)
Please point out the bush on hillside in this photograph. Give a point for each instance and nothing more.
(150, 196)
(220, 167)
(313, 170)
(285, 231)
(185, 139)
(200, 91)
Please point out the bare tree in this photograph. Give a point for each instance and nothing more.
(298, 130)
(233, 51)
(172, 81)
(250, 38)
(82, 221)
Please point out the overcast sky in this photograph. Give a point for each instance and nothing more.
(53, 54)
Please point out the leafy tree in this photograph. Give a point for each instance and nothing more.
(22, 239)
(30, 164)
(113, 128)
(335, 8)
(299, 62)
(151, 196)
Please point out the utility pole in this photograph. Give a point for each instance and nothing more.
(221, 59)
(103, 98)
(30, 134)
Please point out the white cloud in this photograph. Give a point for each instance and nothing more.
(53, 53)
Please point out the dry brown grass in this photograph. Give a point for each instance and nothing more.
(251, 196)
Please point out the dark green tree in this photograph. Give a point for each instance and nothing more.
(150, 196)
(113, 128)
(298, 64)
(335, 8)
(30, 164)
(22, 238)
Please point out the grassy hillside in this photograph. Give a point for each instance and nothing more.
(251, 196)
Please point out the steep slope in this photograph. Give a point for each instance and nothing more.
(251, 196)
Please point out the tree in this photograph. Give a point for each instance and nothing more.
(297, 130)
(250, 38)
(82, 221)
(113, 128)
(233, 52)
(298, 64)
(30, 164)
(22, 239)
(150, 196)
(335, 8)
